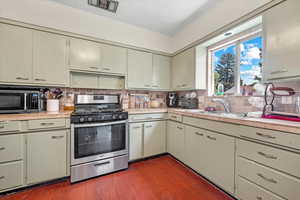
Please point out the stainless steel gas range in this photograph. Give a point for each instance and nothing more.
(99, 136)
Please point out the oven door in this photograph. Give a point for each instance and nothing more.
(12, 102)
(95, 141)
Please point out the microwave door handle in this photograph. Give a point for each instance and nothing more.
(25, 101)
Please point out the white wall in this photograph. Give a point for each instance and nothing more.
(54, 15)
(216, 16)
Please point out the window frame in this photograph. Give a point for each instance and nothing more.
(235, 40)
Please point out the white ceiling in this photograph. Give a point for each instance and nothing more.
(164, 16)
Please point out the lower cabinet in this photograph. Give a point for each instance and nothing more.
(11, 175)
(147, 139)
(176, 140)
(46, 156)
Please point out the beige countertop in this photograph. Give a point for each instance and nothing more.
(37, 115)
(279, 125)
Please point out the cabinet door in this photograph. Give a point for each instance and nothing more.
(161, 72)
(15, 54)
(49, 58)
(114, 59)
(46, 156)
(82, 80)
(111, 82)
(85, 55)
(196, 150)
(139, 70)
(282, 42)
(154, 138)
(136, 141)
(176, 140)
(183, 70)
(221, 160)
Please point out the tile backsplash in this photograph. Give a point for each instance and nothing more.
(148, 99)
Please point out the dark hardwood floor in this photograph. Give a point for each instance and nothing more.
(161, 178)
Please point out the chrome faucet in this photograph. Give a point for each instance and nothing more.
(225, 104)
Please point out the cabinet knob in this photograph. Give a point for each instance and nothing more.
(57, 137)
(40, 79)
(211, 138)
(22, 78)
(47, 124)
(267, 155)
(265, 135)
(271, 180)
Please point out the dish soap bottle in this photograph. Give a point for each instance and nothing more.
(220, 89)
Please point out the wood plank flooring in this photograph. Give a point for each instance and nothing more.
(161, 178)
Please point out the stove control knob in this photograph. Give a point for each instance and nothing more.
(114, 117)
(90, 119)
(120, 116)
(81, 119)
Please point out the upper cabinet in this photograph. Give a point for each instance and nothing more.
(49, 58)
(15, 54)
(139, 69)
(148, 71)
(92, 56)
(282, 42)
(114, 59)
(183, 70)
(84, 55)
(161, 72)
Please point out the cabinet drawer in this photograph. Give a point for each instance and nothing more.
(46, 123)
(249, 191)
(147, 117)
(11, 147)
(271, 136)
(175, 117)
(10, 126)
(11, 175)
(281, 184)
(226, 128)
(282, 160)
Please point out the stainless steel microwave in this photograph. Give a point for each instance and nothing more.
(20, 101)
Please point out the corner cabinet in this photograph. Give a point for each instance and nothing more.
(46, 156)
(15, 54)
(184, 70)
(282, 43)
(49, 58)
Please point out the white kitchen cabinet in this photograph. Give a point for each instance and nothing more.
(176, 140)
(136, 141)
(114, 59)
(84, 80)
(11, 175)
(281, 35)
(49, 58)
(196, 150)
(139, 70)
(85, 55)
(46, 156)
(154, 138)
(15, 54)
(220, 160)
(161, 72)
(184, 70)
(111, 82)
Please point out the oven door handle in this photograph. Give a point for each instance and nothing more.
(99, 124)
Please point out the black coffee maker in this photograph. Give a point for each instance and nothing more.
(172, 100)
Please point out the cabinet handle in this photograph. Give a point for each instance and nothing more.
(180, 128)
(211, 138)
(47, 124)
(149, 118)
(106, 68)
(2, 177)
(183, 85)
(57, 137)
(21, 78)
(149, 126)
(174, 117)
(2, 148)
(266, 179)
(93, 67)
(267, 155)
(265, 136)
(100, 164)
(1, 126)
(156, 86)
(200, 134)
(259, 198)
(279, 71)
(40, 79)
(146, 85)
(136, 127)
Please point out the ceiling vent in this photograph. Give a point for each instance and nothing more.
(109, 5)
